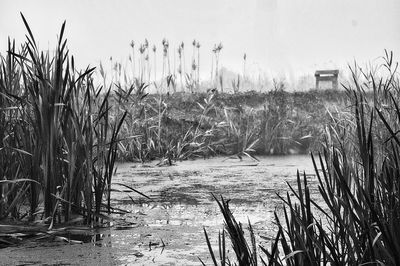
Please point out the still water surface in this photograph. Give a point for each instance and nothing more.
(168, 228)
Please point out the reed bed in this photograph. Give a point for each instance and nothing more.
(356, 222)
(182, 126)
(176, 116)
(59, 138)
(61, 134)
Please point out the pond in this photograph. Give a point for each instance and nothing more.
(167, 229)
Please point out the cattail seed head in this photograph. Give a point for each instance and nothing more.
(194, 66)
(142, 48)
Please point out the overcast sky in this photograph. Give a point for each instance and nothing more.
(278, 36)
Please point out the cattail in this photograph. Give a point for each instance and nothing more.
(212, 69)
(146, 59)
(155, 62)
(194, 48)
(244, 66)
(165, 57)
(111, 65)
(180, 53)
(132, 44)
(198, 64)
(194, 65)
(179, 50)
(167, 53)
(142, 49)
(216, 51)
(183, 57)
(193, 73)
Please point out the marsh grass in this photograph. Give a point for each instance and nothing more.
(155, 128)
(358, 219)
(61, 134)
(182, 126)
(59, 140)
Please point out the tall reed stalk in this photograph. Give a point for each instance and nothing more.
(198, 65)
(355, 219)
(59, 140)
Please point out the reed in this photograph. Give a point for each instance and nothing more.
(217, 50)
(132, 44)
(198, 65)
(180, 67)
(243, 124)
(356, 222)
(59, 139)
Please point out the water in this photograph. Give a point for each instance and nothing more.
(168, 229)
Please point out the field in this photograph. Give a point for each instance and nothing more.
(63, 136)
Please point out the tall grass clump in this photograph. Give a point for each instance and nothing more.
(355, 218)
(58, 139)
(182, 126)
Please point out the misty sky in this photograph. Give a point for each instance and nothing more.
(288, 37)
